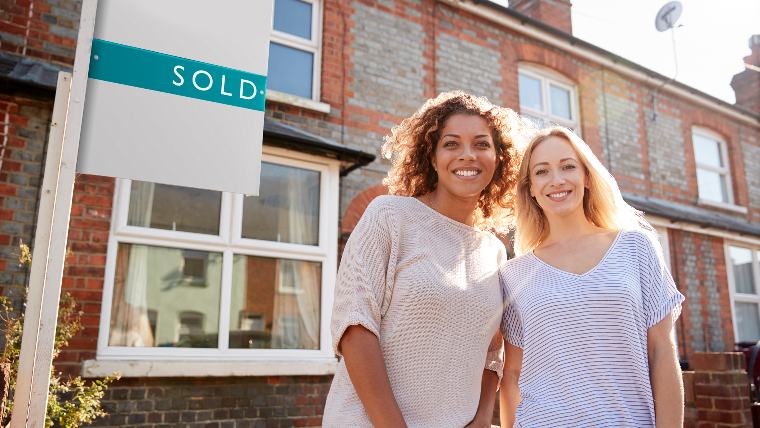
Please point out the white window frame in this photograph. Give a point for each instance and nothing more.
(733, 294)
(313, 46)
(228, 243)
(548, 77)
(725, 170)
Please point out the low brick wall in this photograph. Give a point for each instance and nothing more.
(717, 391)
(716, 396)
(274, 401)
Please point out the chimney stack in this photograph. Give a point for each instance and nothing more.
(555, 13)
(747, 83)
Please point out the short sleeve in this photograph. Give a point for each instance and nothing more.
(360, 287)
(511, 323)
(495, 355)
(659, 292)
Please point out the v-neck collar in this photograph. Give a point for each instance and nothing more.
(592, 269)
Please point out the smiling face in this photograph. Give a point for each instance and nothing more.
(464, 156)
(557, 178)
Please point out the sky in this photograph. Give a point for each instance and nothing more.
(711, 41)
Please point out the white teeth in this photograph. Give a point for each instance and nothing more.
(559, 195)
(466, 172)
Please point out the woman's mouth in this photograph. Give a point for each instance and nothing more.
(467, 172)
(558, 196)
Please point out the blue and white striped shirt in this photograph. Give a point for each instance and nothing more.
(584, 336)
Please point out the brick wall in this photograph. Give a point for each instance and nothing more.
(22, 156)
(85, 263)
(217, 402)
(698, 266)
(44, 30)
(719, 391)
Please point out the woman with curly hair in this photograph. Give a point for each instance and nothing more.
(417, 299)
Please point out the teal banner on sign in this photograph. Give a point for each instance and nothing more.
(156, 71)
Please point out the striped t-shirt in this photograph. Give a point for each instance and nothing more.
(584, 336)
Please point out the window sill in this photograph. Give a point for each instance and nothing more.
(728, 207)
(153, 368)
(281, 97)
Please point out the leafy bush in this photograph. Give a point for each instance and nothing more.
(72, 401)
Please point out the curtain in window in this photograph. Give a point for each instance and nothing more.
(130, 324)
(301, 297)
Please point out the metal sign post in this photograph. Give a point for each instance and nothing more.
(40, 318)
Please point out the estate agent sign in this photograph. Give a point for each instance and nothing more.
(168, 91)
(176, 92)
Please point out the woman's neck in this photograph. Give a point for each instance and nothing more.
(454, 207)
(568, 228)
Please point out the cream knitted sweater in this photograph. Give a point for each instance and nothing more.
(428, 287)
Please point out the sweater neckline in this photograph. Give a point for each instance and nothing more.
(437, 214)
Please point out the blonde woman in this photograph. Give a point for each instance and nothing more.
(418, 300)
(590, 303)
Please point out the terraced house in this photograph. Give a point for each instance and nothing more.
(215, 307)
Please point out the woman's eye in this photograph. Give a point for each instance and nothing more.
(568, 167)
(449, 144)
(483, 144)
(540, 172)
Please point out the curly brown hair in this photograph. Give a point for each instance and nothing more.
(411, 145)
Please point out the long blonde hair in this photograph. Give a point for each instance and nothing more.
(603, 203)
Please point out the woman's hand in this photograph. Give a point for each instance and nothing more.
(479, 424)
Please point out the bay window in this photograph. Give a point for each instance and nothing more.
(200, 274)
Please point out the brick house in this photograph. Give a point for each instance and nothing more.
(215, 307)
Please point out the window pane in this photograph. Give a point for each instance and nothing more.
(275, 303)
(741, 265)
(530, 92)
(185, 209)
(712, 186)
(293, 17)
(165, 297)
(748, 321)
(560, 101)
(287, 208)
(290, 70)
(707, 151)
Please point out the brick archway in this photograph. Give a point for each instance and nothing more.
(357, 206)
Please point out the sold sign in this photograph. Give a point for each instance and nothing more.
(156, 71)
(176, 98)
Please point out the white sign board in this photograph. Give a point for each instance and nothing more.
(175, 93)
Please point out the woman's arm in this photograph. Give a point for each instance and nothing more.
(366, 368)
(484, 415)
(665, 375)
(509, 396)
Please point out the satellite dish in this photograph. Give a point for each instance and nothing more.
(668, 15)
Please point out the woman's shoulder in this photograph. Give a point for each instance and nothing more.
(385, 205)
(642, 239)
(391, 203)
(518, 264)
